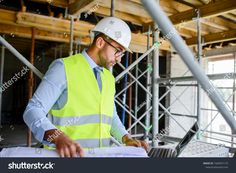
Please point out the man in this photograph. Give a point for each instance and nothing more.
(73, 108)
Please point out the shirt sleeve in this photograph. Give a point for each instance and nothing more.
(117, 128)
(47, 93)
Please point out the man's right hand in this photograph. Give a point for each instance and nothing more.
(64, 145)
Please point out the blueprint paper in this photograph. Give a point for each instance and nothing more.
(123, 151)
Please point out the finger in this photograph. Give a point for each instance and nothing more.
(135, 143)
(61, 153)
(67, 152)
(138, 143)
(80, 150)
(144, 145)
(73, 152)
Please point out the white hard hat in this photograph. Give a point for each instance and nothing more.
(115, 29)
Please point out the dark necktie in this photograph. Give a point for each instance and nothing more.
(97, 71)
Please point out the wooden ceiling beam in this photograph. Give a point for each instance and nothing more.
(215, 37)
(25, 32)
(192, 27)
(219, 23)
(179, 7)
(185, 19)
(81, 6)
(186, 33)
(47, 23)
(54, 29)
(57, 3)
(128, 7)
(103, 9)
(208, 10)
(124, 16)
(185, 3)
(230, 17)
(8, 17)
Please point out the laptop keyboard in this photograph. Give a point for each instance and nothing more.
(161, 153)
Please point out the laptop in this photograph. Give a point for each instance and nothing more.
(175, 152)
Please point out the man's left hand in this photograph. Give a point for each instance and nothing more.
(128, 141)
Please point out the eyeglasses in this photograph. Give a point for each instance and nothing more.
(118, 53)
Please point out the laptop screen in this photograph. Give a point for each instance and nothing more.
(186, 139)
(174, 152)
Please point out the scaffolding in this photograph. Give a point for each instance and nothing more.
(149, 119)
(202, 79)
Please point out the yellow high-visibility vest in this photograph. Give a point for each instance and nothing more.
(87, 115)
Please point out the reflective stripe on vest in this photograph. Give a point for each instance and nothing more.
(79, 120)
(87, 114)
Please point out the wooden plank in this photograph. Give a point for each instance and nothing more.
(124, 16)
(120, 5)
(186, 33)
(194, 2)
(192, 27)
(25, 32)
(186, 3)
(179, 7)
(230, 17)
(233, 12)
(7, 16)
(57, 3)
(47, 23)
(208, 10)
(81, 6)
(126, 6)
(222, 51)
(217, 22)
(171, 4)
(51, 28)
(215, 37)
(136, 1)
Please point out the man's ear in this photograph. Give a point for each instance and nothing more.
(100, 43)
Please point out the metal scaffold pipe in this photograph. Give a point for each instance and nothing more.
(137, 61)
(155, 89)
(187, 56)
(148, 85)
(20, 57)
(112, 7)
(191, 78)
(72, 18)
(1, 79)
(199, 55)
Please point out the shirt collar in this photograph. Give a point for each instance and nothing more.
(91, 62)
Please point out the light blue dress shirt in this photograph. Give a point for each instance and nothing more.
(52, 93)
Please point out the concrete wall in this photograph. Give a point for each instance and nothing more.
(186, 103)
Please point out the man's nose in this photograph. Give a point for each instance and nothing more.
(118, 59)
